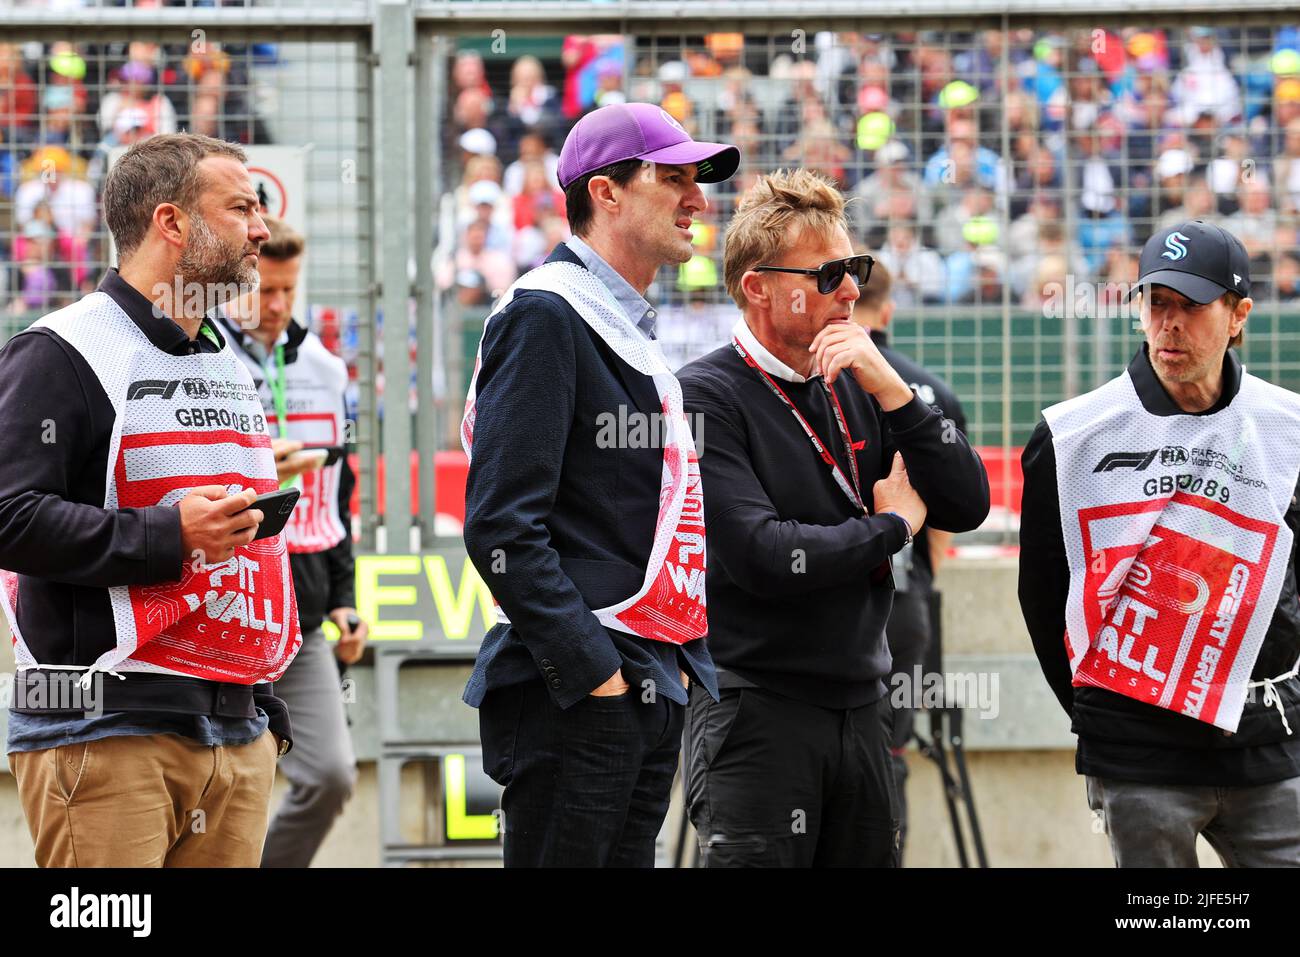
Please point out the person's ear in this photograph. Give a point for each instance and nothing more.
(172, 224)
(886, 313)
(602, 193)
(1238, 320)
(754, 286)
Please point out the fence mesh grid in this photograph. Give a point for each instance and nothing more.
(69, 97)
(1007, 179)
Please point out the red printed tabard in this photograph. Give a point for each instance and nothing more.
(236, 621)
(673, 610)
(1170, 593)
(314, 524)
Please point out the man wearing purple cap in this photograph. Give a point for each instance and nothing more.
(583, 508)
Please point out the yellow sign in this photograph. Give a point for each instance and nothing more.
(461, 824)
(437, 595)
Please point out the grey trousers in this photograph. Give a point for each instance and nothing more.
(321, 766)
(1155, 825)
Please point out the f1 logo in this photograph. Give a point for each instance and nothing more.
(1136, 461)
(158, 387)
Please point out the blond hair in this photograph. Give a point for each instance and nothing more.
(285, 242)
(760, 231)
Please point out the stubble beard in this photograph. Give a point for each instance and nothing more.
(208, 262)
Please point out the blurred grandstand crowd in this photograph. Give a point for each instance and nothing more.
(1108, 137)
(966, 186)
(63, 108)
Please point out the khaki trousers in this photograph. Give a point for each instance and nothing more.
(159, 800)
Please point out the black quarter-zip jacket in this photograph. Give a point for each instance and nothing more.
(56, 423)
(1130, 740)
(798, 598)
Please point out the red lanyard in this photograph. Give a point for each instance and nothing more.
(854, 491)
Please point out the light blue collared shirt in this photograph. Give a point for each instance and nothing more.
(633, 303)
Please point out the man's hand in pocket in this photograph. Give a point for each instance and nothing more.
(614, 686)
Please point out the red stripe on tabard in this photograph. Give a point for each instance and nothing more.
(142, 440)
(193, 481)
(147, 492)
(301, 416)
(273, 418)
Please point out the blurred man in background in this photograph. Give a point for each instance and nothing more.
(917, 565)
(301, 385)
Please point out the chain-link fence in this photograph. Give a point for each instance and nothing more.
(1006, 171)
(1004, 167)
(298, 99)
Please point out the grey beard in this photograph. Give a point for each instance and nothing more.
(209, 263)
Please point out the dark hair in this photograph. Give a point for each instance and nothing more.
(161, 169)
(1232, 300)
(577, 201)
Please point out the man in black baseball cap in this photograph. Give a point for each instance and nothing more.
(1200, 260)
(1157, 534)
(1195, 277)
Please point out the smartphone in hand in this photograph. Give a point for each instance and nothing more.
(276, 507)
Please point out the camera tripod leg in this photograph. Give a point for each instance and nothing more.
(968, 797)
(934, 750)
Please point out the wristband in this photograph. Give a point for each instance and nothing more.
(906, 524)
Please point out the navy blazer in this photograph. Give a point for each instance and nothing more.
(555, 523)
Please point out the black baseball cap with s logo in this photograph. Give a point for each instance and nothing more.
(1200, 260)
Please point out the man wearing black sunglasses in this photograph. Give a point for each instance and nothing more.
(830, 274)
(818, 464)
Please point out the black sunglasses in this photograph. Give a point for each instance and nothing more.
(831, 274)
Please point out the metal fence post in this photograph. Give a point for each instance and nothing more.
(392, 146)
(430, 75)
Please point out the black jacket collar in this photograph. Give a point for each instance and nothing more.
(1157, 401)
(563, 254)
(879, 337)
(296, 333)
(161, 331)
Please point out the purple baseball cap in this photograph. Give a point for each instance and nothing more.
(641, 131)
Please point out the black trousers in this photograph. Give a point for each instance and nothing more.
(775, 782)
(584, 787)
